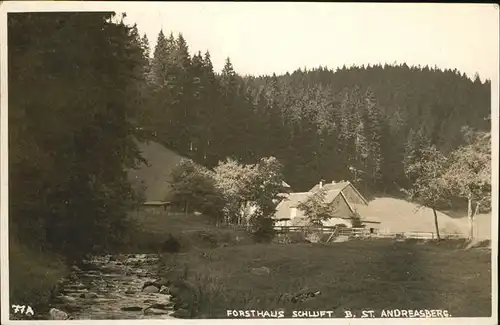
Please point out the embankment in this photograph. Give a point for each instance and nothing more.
(32, 275)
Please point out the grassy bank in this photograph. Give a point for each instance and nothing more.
(375, 274)
(32, 275)
(167, 231)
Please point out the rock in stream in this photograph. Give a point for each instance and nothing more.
(113, 287)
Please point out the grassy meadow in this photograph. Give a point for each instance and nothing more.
(208, 279)
(377, 274)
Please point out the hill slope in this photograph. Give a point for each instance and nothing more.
(156, 176)
(397, 215)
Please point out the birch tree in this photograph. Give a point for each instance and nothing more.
(469, 173)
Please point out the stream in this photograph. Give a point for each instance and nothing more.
(114, 287)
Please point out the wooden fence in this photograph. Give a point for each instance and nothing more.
(287, 229)
(335, 231)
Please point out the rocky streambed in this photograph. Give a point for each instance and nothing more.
(113, 287)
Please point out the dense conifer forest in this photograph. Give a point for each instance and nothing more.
(351, 123)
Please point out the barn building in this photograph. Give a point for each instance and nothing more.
(344, 197)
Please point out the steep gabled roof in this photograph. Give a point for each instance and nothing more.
(330, 186)
(338, 186)
(332, 191)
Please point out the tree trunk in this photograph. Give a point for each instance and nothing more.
(436, 224)
(476, 211)
(470, 216)
(242, 213)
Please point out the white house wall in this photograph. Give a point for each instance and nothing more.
(282, 223)
(337, 221)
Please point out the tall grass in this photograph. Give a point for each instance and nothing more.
(151, 232)
(32, 275)
(355, 275)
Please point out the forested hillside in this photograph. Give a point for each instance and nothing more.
(352, 123)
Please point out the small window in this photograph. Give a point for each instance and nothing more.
(293, 213)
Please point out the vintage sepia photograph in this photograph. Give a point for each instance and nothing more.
(244, 160)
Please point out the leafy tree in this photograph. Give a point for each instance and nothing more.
(250, 187)
(469, 174)
(428, 187)
(316, 208)
(195, 187)
(267, 192)
(237, 182)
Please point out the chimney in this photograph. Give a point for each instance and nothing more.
(333, 182)
(321, 184)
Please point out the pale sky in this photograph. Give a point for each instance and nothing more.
(262, 38)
